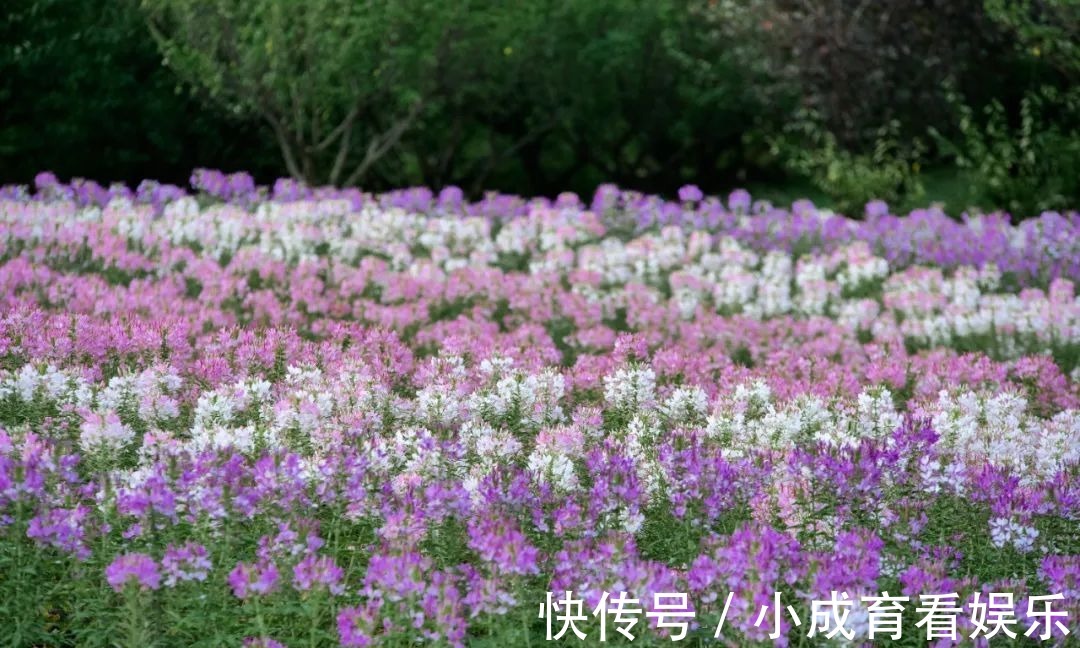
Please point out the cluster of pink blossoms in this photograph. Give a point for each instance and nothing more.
(338, 418)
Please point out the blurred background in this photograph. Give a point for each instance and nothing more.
(971, 103)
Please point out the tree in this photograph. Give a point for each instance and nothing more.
(1048, 29)
(552, 95)
(864, 63)
(338, 82)
(83, 93)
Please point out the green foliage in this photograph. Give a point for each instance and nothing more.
(1022, 153)
(82, 93)
(863, 63)
(1048, 29)
(890, 171)
(549, 95)
(1024, 168)
(545, 96)
(338, 82)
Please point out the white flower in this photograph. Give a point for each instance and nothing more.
(529, 399)
(1004, 531)
(550, 467)
(104, 433)
(26, 383)
(437, 404)
(630, 387)
(877, 415)
(686, 405)
(631, 523)
(219, 437)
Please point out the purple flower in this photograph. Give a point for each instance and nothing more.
(739, 200)
(690, 193)
(852, 566)
(248, 580)
(262, 642)
(498, 541)
(803, 207)
(188, 562)
(1062, 574)
(311, 572)
(288, 541)
(356, 624)
(288, 189)
(135, 566)
(606, 197)
(64, 529)
(45, 180)
(397, 576)
(877, 209)
(450, 198)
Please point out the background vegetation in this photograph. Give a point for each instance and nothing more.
(973, 102)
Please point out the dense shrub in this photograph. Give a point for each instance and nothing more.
(82, 92)
(864, 63)
(1023, 153)
(1024, 168)
(545, 96)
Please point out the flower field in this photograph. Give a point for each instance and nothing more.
(235, 415)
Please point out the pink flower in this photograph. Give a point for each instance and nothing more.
(259, 579)
(135, 566)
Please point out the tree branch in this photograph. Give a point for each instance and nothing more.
(334, 134)
(380, 144)
(343, 151)
(285, 144)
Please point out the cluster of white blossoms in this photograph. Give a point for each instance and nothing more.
(459, 242)
(437, 406)
(979, 428)
(231, 416)
(863, 315)
(552, 459)
(998, 429)
(939, 310)
(440, 402)
(221, 230)
(305, 406)
(815, 291)
(530, 400)
(609, 260)
(686, 405)
(639, 438)
(150, 393)
(743, 427)
(630, 388)
(487, 446)
(876, 415)
(375, 230)
(104, 433)
(501, 411)
(502, 415)
(773, 287)
(851, 285)
(728, 277)
(547, 230)
(46, 384)
(939, 476)
(856, 266)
